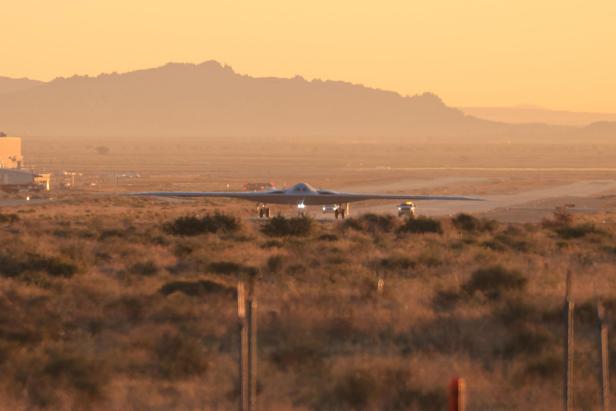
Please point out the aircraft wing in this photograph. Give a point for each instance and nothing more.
(318, 198)
(336, 198)
(252, 196)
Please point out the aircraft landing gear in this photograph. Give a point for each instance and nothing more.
(301, 209)
(264, 212)
(342, 211)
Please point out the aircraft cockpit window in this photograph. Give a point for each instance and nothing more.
(302, 188)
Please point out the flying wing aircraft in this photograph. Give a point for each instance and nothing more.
(302, 195)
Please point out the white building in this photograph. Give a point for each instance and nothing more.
(12, 176)
(10, 152)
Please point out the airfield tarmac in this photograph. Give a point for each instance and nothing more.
(519, 182)
(581, 197)
(521, 206)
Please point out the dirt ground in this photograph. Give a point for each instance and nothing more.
(106, 302)
(519, 182)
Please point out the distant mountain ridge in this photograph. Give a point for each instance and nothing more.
(11, 85)
(210, 99)
(533, 114)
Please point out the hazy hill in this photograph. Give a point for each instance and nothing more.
(210, 99)
(530, 114)
(11, 85)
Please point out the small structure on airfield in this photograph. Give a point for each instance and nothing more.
(13, 176)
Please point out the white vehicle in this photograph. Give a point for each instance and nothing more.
(406, 209)
(335, 209)
(330, 208)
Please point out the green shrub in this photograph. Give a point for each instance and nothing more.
(421, 225)
(527, 340)
(196, 288)
(514, 243)
(560, 218)
(303, 354)
(210, 223)
(374, 222)
(9, 218)
(446, 300)
(493, 245)
(146, 268)
(611, 250)
(431, 258)
(576, 231)
(179, 356)
(229, 267)
(507, 240)
(380, 389)
(515, 311)
(13, 265)
(296, 269)
(274, 263)
(548, 366)
(395, 263)
(83, 373)
(494, 281)
(280, 226)
(469, 223)
(114, 233)
(586, 312)
(371, 223)
(355, 391)
(272, 244)
(47, 377)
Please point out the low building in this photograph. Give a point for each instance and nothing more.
(13, 180)
(12, 175)
(16, 180)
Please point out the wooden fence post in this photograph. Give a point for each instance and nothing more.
(604, 372)
(457, 394)
(247, 315)
(243, 348)
(251, 314)
(569, 347)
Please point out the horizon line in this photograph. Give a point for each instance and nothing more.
(516, 106)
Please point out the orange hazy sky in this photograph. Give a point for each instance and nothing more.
(559, 54)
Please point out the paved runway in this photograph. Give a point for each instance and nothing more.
(495, 201)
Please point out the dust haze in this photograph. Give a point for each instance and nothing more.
(112, 301)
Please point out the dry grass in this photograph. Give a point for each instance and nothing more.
(108, 308)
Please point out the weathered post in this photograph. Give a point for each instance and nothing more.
(251, 311)
(380, 284)
(569, 347)
(457, 394)
(247, 315)
(243, 348)
(604, 372)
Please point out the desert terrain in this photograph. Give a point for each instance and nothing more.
(116, 299)
(519, 182)
(111, 302)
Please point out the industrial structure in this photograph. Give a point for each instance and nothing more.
(10, 152)
(13, 177)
